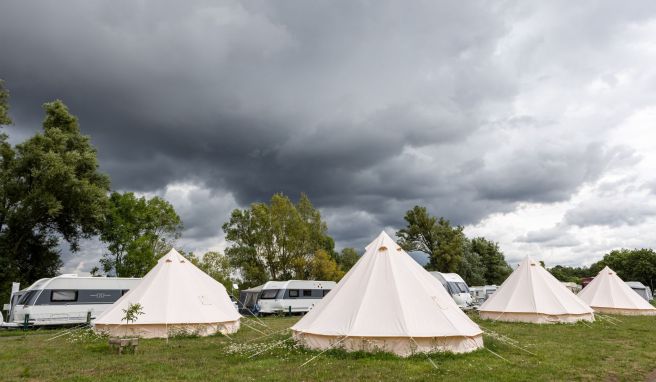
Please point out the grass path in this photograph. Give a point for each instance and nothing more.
(597, 351)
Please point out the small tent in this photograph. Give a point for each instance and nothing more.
(531, 294)
(607, 293)
(388, 302)
(248, 300)
(641, 289)
(176, 297)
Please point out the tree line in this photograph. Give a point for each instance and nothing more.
(630, 265)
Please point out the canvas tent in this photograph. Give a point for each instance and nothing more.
(607, 293)
(176, 297)
(531, 294)
(388, 302)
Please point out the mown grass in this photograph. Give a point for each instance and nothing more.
(597, 351)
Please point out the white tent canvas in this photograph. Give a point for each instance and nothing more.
(607, 293)
(175, 297)
(388, 302)
(531, 294)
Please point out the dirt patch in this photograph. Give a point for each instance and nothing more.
(651, 377)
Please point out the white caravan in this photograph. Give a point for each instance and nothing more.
(573, 287)
(456, 287)
(66, 299)
(481, 293)
(293, 296)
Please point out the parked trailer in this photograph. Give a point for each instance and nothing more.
(293, 296)
(66, 299)
(573, 287)
(641, 289)
(456, 287)
(481, 293)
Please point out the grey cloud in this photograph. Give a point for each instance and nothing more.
(611, 212)
(557, 236)
(651, 186)
(545, 174)
(202, 210)
(81, 262)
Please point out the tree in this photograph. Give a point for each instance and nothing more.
(275, 241)
(132, 313)
(471, 268)
(4, 105)
(324, 267)
(442, 243)
(496, 269)
(137, 231)
(347, 259)
(50, 189)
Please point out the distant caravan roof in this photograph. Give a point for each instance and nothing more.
(607, 293)
(531, 294)
(387, 301)
(176, 297)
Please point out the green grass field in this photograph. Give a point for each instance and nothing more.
(597, 351)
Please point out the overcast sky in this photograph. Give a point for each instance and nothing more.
(531, 123)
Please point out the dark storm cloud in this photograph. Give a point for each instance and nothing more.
(368, 107)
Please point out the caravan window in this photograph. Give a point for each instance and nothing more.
(27, 297)
(325, 292)
(269, 294)
(63, 295)
(457, 287)
(462, 287)
(293, 293)
(307, 292)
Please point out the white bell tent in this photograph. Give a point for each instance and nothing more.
(607, 293)
(532, 294)
(388, 302)
(175, 297)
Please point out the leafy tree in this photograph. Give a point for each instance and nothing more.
(445, 245)
(132, 313)
(496, 269)
(137, 231)
(471, 267)
(50, 189)
(324, 267)
(275, 241)
(347, 259)
(4, 105)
